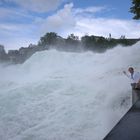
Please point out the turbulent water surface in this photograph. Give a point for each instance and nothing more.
(65, 96)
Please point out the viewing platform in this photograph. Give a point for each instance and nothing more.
(128, 128)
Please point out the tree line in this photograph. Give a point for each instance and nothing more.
(72, 43)
(87, 42)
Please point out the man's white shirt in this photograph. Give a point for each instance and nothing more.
(134, 78)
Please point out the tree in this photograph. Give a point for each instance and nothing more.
(73, 37)
(72, 40)
(48, 39)
(135, 9)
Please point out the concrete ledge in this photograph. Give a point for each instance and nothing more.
(128, 128)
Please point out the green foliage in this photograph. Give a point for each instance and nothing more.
(95, 43)
(88, 41)
(72, 42)
(135, 9)
(73, 37)
(48, 39)
(101, 44)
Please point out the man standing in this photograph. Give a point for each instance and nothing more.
(135, 83)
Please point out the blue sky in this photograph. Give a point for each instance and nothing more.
(24, 21)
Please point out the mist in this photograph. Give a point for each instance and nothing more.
(65, 95)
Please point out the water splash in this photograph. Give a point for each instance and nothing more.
(58, 95)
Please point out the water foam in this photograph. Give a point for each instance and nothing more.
(65, 96)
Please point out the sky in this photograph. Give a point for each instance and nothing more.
(23, 22)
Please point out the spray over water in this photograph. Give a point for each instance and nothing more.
(66, 96)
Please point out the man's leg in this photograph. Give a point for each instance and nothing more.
(135, 95)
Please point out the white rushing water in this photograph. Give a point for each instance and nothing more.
(66, 96)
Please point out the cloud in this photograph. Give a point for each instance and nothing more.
(14, 36)
(73, 20)
(16, 43)
(38, 5)
(59, 22)
(65, 21)
(103, 26)
(13, 13)
(89, 10)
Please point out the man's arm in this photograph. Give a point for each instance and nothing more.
(125, 73)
